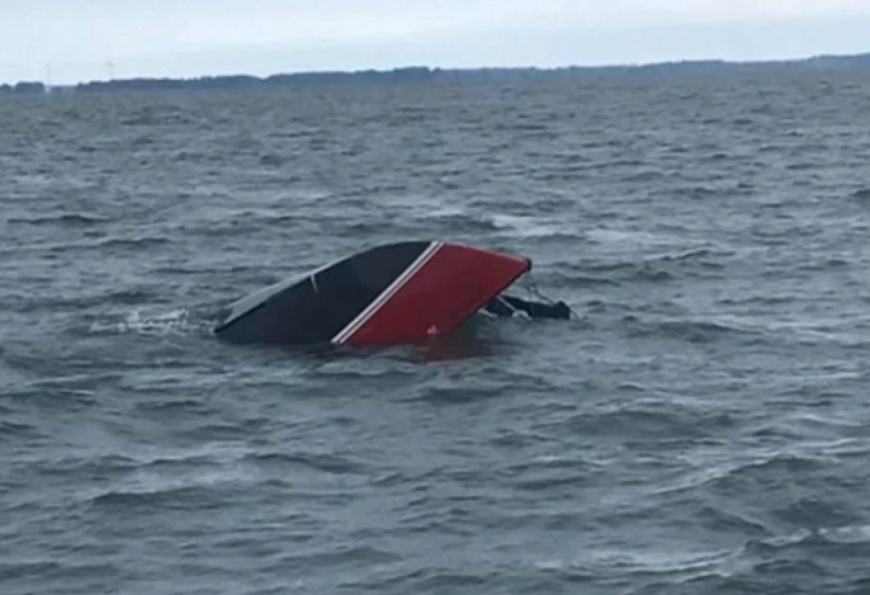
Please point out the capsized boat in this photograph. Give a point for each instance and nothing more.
(394, 293)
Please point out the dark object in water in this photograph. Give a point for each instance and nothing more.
(393, 293)
(508, 306)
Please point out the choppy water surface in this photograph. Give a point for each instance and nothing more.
(702, 428)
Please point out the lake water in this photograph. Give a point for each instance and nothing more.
(702, 427)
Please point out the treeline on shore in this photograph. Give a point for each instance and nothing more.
(423, 73)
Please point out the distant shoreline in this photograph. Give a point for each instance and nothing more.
(853, 62)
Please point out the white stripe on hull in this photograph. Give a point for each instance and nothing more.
(379, 302)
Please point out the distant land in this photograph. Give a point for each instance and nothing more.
(855, 62)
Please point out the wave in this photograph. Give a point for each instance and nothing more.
(693, 331)
(848, 540)
(443, 395)
(191, 481)
(177, 498)
(743, 478)
(13, 431)
(824, 264)
(62, 248)
(605, 562)
(644, 271)
(703, 255)
(568, 279)
(531, 227)
(73, 387)
(328, 463)
(94, 466)
(552, 484)
(137, 243)
(664, 422)
(362, 555)
(125, 297)
(226, 431)
(723, 519)
(53, 397)
(53, 570)
(662, 268)
(273, 160)
(158, 115)
(457, 222)
(66, 219)
(762, 300)
(174, 406)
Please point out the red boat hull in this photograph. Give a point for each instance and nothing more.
(446, 286)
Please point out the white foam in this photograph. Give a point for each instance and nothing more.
(446, 211)
(173, 322)
(633, 238)
(848, 535)
(648, 562)
(529, 227)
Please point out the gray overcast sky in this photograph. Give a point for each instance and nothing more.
(79, 38)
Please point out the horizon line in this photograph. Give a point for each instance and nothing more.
(458, 69)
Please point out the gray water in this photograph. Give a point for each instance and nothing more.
(702, 427)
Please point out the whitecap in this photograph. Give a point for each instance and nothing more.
(529, 227)
(173, 322)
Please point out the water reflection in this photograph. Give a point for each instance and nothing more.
(478, 338)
